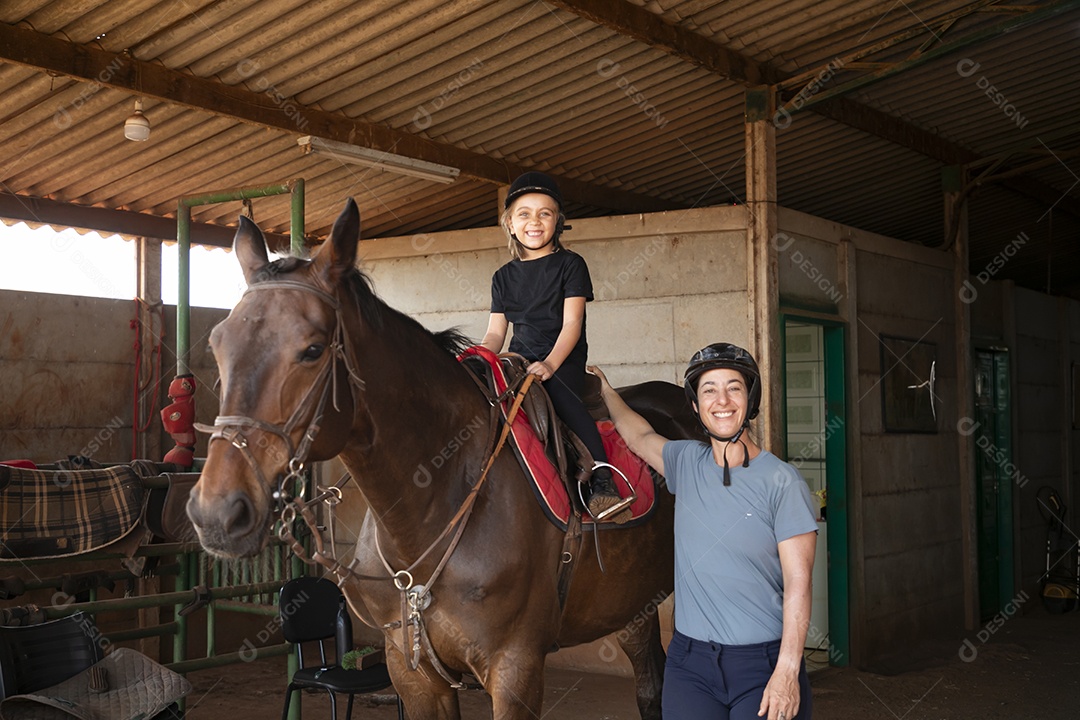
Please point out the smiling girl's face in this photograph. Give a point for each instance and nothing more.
(533, 220)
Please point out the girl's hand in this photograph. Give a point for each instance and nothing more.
(540, 369)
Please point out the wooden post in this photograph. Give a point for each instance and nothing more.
(148, 269)
(762, 281)
(956, 215)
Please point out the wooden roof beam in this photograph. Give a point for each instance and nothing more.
(123, 222)
(639, 24)
(124, 72)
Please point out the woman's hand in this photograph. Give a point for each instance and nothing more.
(604, 384)
(781, 699)
(540, 369)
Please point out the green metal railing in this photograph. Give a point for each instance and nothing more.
(183, 239)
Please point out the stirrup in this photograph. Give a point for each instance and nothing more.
(621, 505)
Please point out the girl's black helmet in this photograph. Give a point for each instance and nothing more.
(533, 182)
(732, 357)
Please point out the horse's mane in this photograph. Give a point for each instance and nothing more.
(372, 307)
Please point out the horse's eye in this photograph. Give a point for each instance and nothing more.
(313, 352)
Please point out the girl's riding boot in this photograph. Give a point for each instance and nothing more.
(604, 502)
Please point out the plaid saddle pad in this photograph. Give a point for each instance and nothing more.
(57, 513)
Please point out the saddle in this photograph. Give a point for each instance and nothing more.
(72, 507)
(59, 513)
(552, 456)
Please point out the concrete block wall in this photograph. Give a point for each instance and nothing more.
(910, 483)
(68, 366)
(665, 284)
(905, 539)
(1042, 335)
(1047, 340)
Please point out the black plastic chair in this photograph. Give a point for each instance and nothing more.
(314, 610)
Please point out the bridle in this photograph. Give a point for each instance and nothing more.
(415, 597)
(234, 428)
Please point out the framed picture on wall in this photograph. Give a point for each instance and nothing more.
(909, 403)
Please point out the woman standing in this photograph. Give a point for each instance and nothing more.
(745, 532)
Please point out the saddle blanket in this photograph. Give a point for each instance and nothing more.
(58, 513)
(544, 476)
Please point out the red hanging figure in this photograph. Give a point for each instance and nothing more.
(179, 420)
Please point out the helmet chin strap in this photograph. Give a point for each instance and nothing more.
(736, 438)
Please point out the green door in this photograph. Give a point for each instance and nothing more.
(992, 435)
(815, 417)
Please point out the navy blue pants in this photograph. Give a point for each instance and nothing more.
(709, 681)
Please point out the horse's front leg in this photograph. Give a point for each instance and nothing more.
(516, 685)
(426, 695)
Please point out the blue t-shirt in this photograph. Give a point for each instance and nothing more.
(729, 587)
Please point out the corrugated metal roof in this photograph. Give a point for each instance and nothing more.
(540, 87)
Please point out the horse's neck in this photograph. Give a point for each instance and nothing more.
(420, 437)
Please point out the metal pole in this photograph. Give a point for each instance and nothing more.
(183, 296)
(182, 584)
(179, 598)
(230, 658)
(296, 223)
(183, 238)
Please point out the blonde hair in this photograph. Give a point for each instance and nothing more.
(512, 243)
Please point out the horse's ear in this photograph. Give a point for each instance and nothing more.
(337, 255)
(250, 248)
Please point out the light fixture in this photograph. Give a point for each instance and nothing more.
(367, 157)
(137, 127)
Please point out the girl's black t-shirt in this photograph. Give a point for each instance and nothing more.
(531, 293)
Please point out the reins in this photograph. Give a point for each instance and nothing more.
(414, 597)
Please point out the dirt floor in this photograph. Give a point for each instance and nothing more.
(1028, 668)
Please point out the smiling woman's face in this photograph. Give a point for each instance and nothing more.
(722, 401)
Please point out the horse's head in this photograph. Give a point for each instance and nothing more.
(286, 376)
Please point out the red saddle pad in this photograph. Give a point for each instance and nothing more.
(544, 476)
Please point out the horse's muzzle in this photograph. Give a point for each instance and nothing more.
(229, 526)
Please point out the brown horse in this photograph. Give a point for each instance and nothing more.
(307, 331)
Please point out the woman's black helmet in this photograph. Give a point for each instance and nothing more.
(732, 357)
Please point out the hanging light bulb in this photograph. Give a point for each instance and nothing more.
(137, 127)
